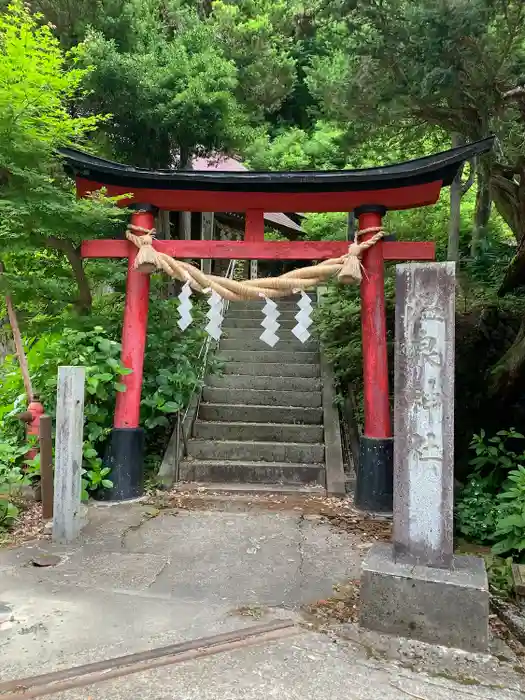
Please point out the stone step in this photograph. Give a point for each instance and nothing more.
(269, 383)
(253, 335)
(278, 432)
(247, 489)
(293, 452)
(244, 471)
(254, 323)
(260, 414)
(274, 369)
(269, 356)
(260, 397)
(258, 305)
(235, 313)
(283, 346)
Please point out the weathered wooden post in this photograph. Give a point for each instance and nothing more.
(416, 587)
(46, 466)
(67, 520)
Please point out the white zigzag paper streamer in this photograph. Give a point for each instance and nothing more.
(270, 323)
(303, 318)
(214, 326)
(185, 307)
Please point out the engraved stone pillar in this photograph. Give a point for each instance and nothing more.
(424, 413)
(416, 587)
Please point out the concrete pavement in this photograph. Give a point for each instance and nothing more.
(140, 579)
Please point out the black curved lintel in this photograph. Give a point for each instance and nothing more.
(437, 167)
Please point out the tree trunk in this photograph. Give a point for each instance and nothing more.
(455, 207)
(506, 375)
(19, 345)
(84, 301)
(508, 188)
(482, 213)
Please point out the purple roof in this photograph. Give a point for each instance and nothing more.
(225, 163)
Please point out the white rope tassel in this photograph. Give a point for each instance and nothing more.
(270, 323)
(303, 318)
(185, 307)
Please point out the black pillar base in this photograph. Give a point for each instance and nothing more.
(124, 455)
(375, 475)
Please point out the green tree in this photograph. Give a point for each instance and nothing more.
(71, 19)
(257, 36)
(298, 149)
(170, 92)
(448, 64)
(42, 222)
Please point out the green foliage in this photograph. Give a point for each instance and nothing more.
(40, 217)
(33, 110)
(71, 21)
(510, 525)
(499, 572)
(425, 60)
(491, 507)
(437, 65)
(338, 325)
(171, 370)
(478, 509)
(327, 84)
(331, 226)
(171, 373)
(256, 38)
(170, 90)
(11, 478)
(100, 355)
(297, 149)
(494, 458)
(476, 512)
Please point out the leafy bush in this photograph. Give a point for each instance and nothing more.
(494, 459)
(510, 525)
(171, 373)
(491, 507)
(11, 478)
(100, 355)
(338, 325)
(172, 366)
(476, 512)
(499, 572)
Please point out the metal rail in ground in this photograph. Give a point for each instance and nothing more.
(100, 671)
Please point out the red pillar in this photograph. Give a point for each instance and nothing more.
(127, 410)
(254, 226)
(375, 362)
(374, 473)
(124, 453)
(254, 233)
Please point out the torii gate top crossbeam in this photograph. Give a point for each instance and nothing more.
(406, 185)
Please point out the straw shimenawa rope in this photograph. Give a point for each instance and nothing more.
(347, 268)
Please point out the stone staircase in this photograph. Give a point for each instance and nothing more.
(260, 422)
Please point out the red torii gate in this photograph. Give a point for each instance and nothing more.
(369, 193)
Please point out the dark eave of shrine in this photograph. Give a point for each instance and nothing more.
(280, 222)
(440, 167)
